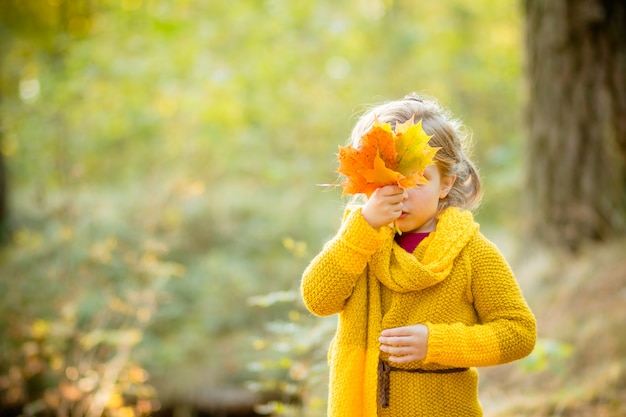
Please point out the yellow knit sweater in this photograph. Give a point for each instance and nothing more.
(456, 282)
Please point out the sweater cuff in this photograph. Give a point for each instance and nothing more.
(435, 344)
(357, 233)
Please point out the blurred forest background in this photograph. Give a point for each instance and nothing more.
(158, 200)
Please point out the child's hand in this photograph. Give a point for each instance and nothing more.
(405, 344)
(384, 206)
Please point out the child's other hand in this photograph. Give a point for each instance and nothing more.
(384, 206)
(405, 344)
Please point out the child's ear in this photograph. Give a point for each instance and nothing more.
(446, 186)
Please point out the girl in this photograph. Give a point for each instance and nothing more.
(417, 310)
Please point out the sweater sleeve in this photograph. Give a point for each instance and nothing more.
(506, 330)
(330, 278)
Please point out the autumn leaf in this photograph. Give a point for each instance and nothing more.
(414, 153)
(386, 157)
(380, 174)
(380, 138)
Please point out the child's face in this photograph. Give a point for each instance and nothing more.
(419, 210)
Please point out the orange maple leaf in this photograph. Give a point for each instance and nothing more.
(386, 157)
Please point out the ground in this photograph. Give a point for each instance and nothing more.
(579, 366)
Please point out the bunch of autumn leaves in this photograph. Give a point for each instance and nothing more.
(386, 157)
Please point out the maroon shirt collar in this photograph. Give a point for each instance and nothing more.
(409, 241)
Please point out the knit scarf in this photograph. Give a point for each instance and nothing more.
(355, 351)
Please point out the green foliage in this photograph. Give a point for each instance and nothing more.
(79, 295)
(548, 353)
(156, 140)
(291, 369)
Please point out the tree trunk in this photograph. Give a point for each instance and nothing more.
(4, 192)
(4, 197)
(576, 67)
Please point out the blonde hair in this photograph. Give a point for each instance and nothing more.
(447, 133)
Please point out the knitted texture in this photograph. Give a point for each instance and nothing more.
(456, 282)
